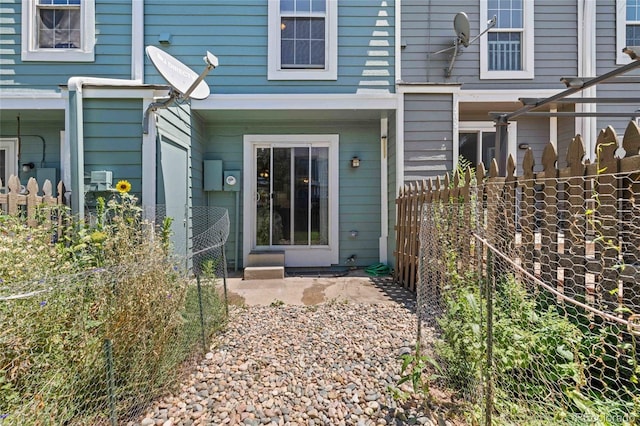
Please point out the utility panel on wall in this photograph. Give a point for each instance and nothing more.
(212, 175)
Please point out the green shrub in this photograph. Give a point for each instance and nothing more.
(111, 282)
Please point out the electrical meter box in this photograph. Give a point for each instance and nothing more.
(212, 175)
(232, 180)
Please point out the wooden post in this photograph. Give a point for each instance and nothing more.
(527, 212)
(630, 217)
(573, 259)
(607, 245)
(549, 210)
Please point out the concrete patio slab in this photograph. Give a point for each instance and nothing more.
(355, 287)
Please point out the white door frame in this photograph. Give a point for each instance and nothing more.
(294, 255)
(11, 162)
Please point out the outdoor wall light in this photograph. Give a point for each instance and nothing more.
(27, 167)
(523, 146)
(353, 233)
(355, 162)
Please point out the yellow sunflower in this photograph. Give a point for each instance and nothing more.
(123, 186)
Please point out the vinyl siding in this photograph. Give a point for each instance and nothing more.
(39, 143)
(535, 132)
(428, 136)
(236, 32)
(112, 139)
(112, 50)
(359, 192)
(391, 188)
(427, 27)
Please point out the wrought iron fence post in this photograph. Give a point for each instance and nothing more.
(224, 280)
(204, 340)
(111, 391)
(490, 283)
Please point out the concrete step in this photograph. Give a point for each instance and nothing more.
(264, 273)
(265, 258)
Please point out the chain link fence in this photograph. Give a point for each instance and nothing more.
(532, 287)
(96, 347)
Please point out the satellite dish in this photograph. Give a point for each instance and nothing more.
(178, 75)
(461, 27)
(184, 82)
(463, 32)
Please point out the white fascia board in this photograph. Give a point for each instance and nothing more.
(31, 100)
(428, 88)
(504, 95)
(296, 101)
(123, 93)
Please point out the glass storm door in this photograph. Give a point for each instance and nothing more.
(292, 196)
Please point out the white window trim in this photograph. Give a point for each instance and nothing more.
(528, 46)
(621, 32)
(331, 47)
(11, 146)
(489, 126)
(31, 53)
(295, 255)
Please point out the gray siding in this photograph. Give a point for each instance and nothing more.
(359, 194)
(535, 132)
(236, 32)
(112, 50)
(427, 26)
(606, 61)
(428, 136)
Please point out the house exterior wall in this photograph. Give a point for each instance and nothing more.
(236, 32)
(112, 141)
(359, 191)
(112, 50)
(392, 184)
(428, 135)
(427, 27)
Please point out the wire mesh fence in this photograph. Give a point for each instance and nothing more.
(96, 344)
(532, 286)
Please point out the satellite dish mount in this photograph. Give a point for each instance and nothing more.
(463, 32)
(184, 82)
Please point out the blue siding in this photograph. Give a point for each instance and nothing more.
(112, 50)
(359, 195)
(112, 139)
(236, 32)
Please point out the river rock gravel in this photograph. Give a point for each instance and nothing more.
(328, 364)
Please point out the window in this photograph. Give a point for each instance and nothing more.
(8, 161)
(627, 28)
(58, 30)
(507, 50)
(303, 39)
(477, 142)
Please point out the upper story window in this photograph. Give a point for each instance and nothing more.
(507, 50)
(627, 28)
(58, 30)
(303, 39)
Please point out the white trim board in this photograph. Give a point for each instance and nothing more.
(294, 101)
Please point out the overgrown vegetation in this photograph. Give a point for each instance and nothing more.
(547, 365)
(97, 323)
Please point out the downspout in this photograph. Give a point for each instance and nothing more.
(137, 40)
(384, 191)
(76, 134)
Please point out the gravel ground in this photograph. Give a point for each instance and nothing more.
(328, 364)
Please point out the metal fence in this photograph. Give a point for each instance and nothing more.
(97, 346)
(531, 285)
